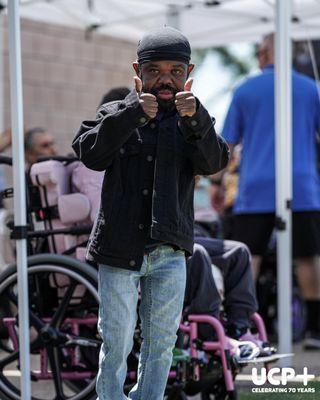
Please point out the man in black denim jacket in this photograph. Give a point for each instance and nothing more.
(151, 145)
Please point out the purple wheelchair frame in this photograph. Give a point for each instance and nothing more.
(215, 347)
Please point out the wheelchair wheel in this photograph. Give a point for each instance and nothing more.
(64, 344)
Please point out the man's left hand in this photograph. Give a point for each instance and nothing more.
(185, 101)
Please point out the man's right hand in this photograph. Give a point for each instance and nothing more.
(147, 100)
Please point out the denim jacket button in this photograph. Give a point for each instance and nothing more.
(132, 263)
(149, 158)
(194, 122)
(141, 226)
(145, 192)
(143, 120)
(122, 150)
(152, 125)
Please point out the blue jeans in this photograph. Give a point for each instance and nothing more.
(162, 283)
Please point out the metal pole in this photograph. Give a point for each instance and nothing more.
(19, 192)
(1, 74)
(2, 123)
(283, 151)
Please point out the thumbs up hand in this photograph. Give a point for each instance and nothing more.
(147, 100)
(185, 101)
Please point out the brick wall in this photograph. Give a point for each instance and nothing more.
(65, 76)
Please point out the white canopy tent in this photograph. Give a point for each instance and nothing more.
(206, 23)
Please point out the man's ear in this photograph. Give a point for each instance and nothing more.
(190, 68)
(136, 67)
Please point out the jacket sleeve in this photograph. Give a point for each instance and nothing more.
(98, 141)
(207, 150)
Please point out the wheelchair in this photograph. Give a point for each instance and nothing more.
(64, 301)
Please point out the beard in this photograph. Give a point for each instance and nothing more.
(164, 105)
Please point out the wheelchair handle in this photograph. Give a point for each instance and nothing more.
(66, 159)
(6, 160)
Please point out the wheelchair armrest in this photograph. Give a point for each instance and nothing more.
(73, 208)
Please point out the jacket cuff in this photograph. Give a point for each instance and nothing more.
(134, 107)
(197, 126)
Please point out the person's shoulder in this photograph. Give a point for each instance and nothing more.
(248, 84)
(130, 101)
(111, 107)
(304, 81)
(257, 79)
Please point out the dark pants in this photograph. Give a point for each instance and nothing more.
(202, 297)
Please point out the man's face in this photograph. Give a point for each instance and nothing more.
(163, 79)
(43, 145)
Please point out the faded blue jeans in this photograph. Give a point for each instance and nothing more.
(162, 282)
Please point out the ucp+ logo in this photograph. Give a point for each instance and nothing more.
(285, 375)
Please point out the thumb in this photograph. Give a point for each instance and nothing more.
(188, 84)
(138, 84)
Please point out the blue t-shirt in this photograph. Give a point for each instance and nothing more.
(251, 121)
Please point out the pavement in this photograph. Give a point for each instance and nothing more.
(301, 359)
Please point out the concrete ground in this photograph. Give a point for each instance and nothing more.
(301, 359)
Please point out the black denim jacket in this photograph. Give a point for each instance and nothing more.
(114, 142)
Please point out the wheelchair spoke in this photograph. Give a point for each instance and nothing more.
(16, 354)
(34, 319)
(58, 316)
(56, 372)
(13, 357)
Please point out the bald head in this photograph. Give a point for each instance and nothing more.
(266, 51)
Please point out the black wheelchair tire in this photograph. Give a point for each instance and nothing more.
(73, 268)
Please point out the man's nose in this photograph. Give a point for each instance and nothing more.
(165, 79)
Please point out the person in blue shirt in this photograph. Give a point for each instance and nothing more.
(251, 122)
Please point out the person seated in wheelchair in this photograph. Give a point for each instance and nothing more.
(220, 284)
(38, 142)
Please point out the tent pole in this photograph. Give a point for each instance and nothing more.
(2, 124)
(283, 160)
(19, 192)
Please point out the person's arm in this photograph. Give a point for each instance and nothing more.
(98, 141)
(217, 187)
(208, 151)
(216, 179)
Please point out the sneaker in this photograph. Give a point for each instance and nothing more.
(243, 350)
(264, 347)
(244, 334)
(312, 341)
